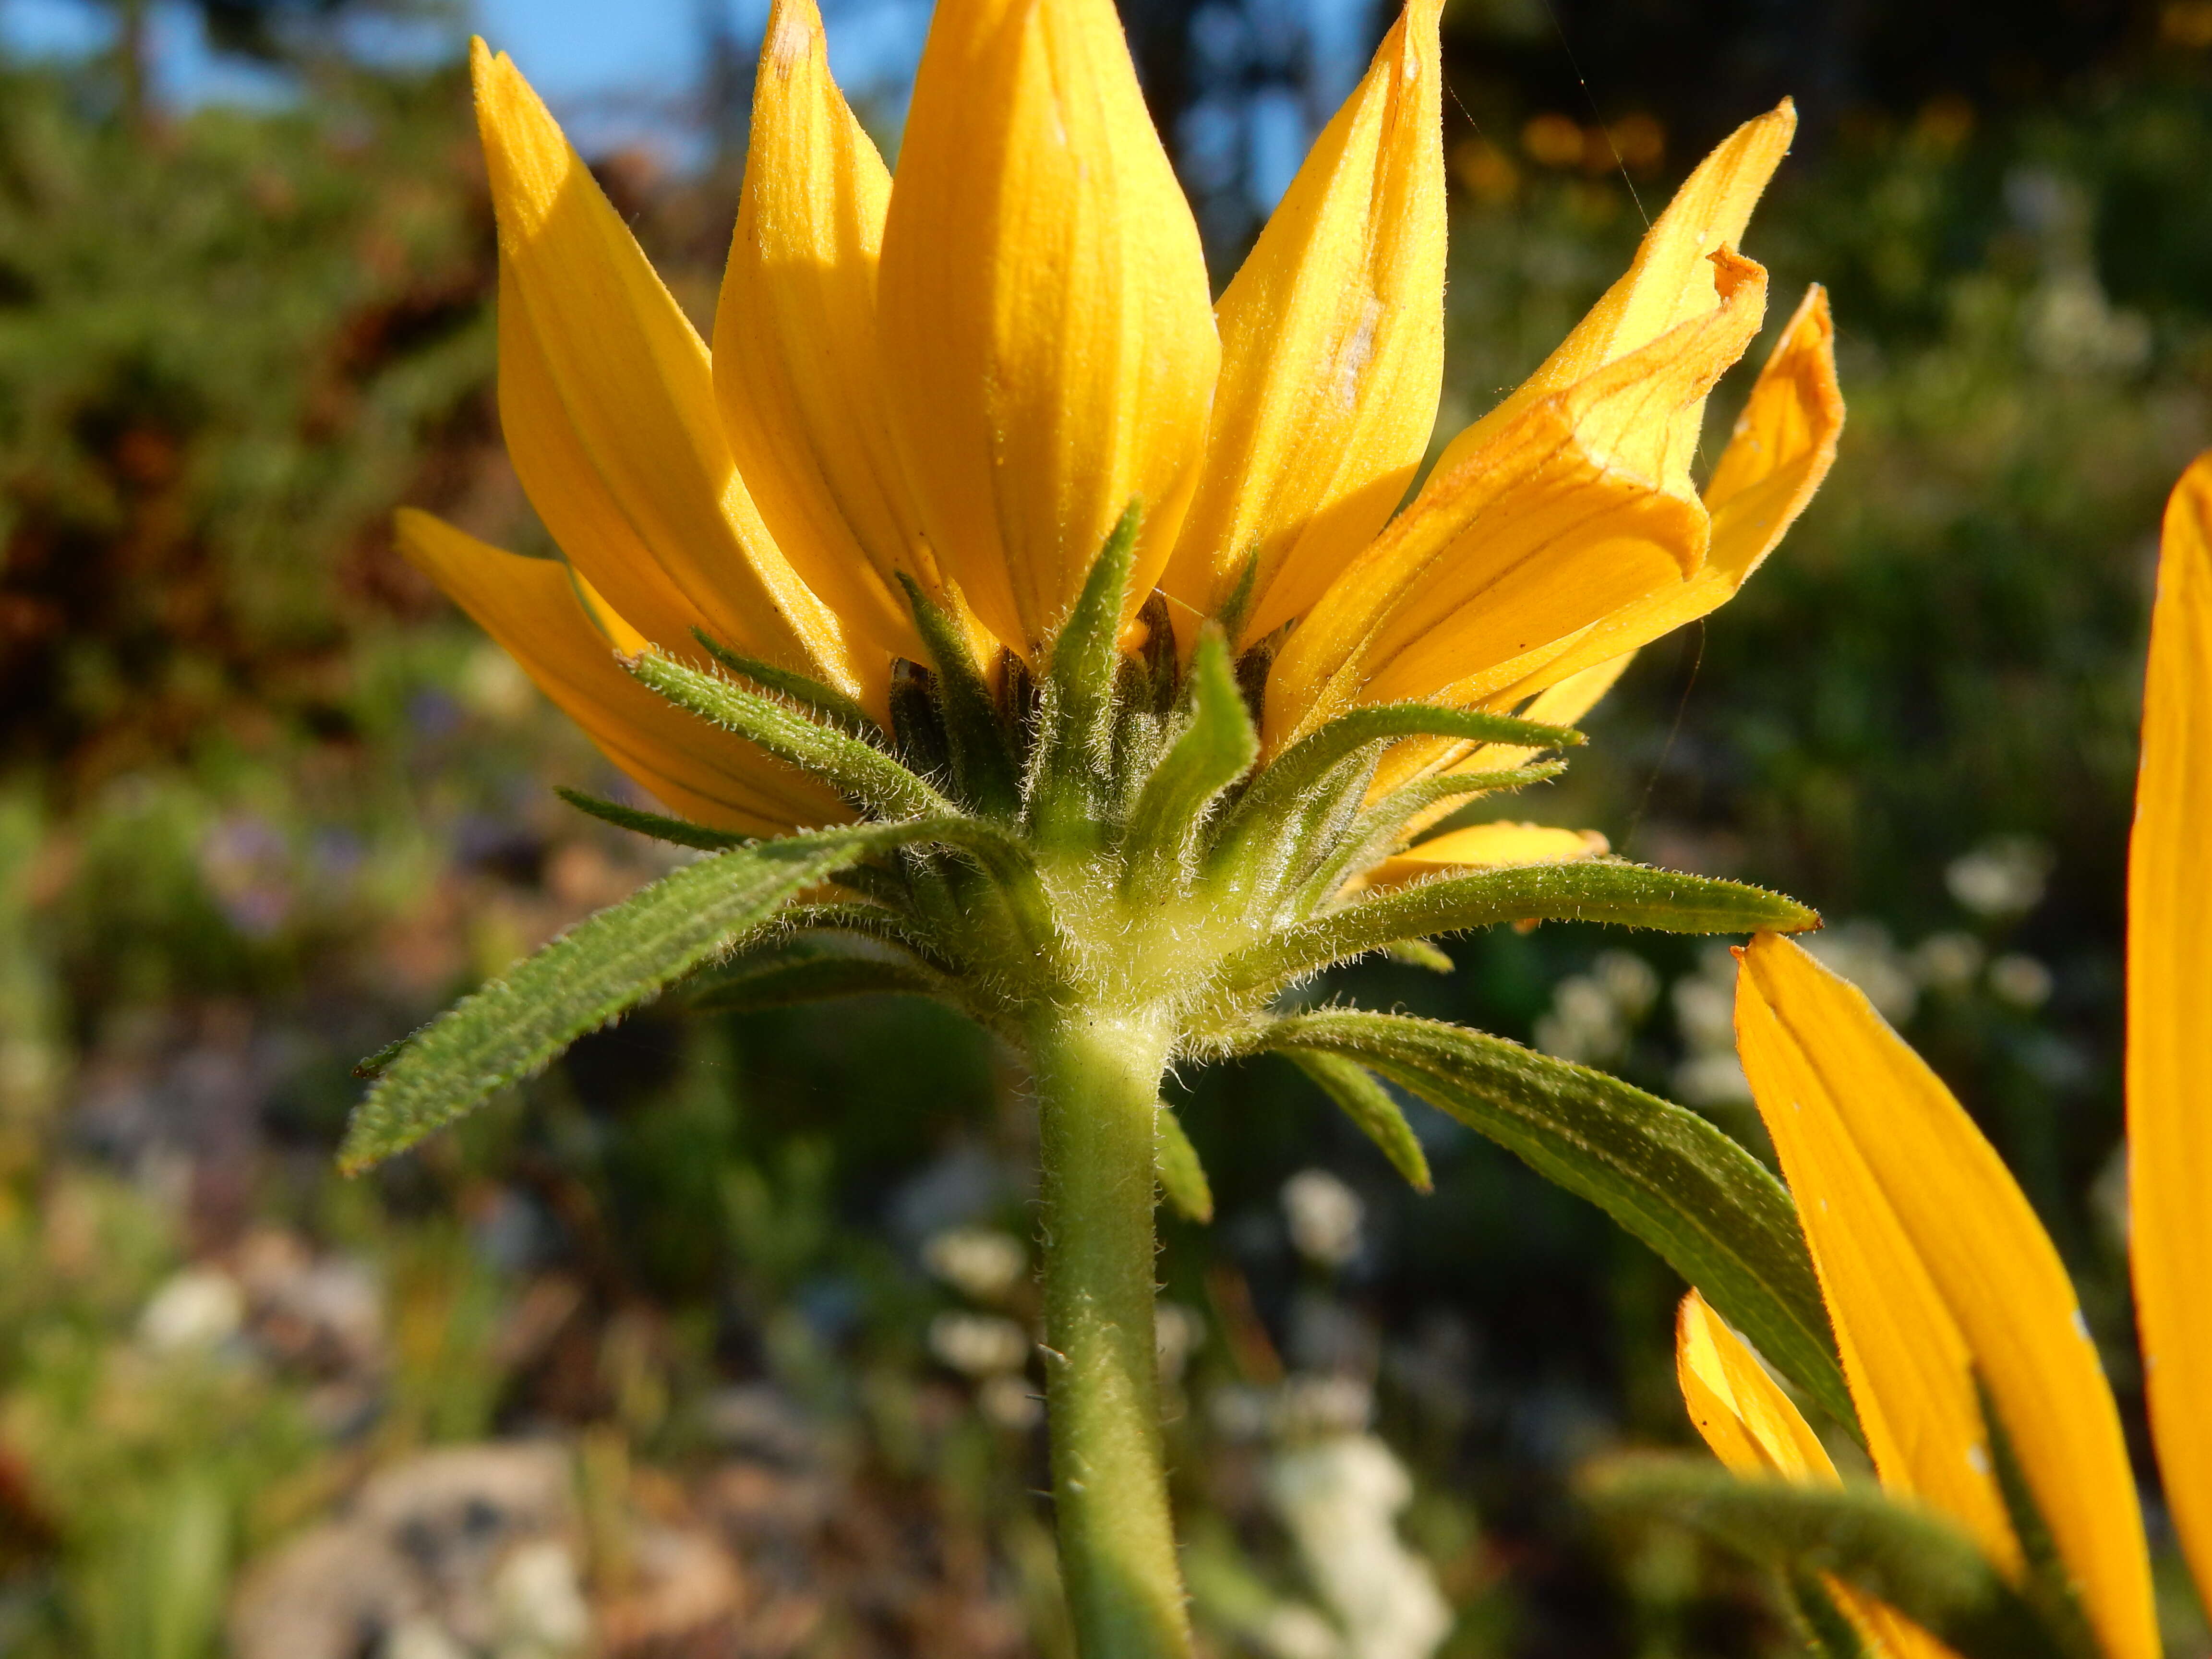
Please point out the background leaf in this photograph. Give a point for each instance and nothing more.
(1919, 1564)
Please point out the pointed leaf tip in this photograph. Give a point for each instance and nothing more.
(590, 976)
(1183, 1177)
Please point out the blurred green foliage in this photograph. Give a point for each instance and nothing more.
(264, 803)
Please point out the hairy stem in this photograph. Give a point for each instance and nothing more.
(1097, 1078)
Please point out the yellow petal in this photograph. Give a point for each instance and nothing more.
(1670, 282)
(1783, 444)
(2170, 1020)
(1332, 352)
(1755, 1431)
(533, 608)
(1563, 518)
(1048, 336)
(1937, 1271)
(1740, 1410)
(571, 499)
(1487, 846)
(796, 367)
(632, 384)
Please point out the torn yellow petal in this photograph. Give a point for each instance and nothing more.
(1332, 352)
(1783, 444)
(2169, 1064)
(633, 384)
(1670, 282)
(1755, 1429)
(533, 608)
(1936, 1272)
(796, 367)
(1047, 332)
(1486, 846)
(1562, 519)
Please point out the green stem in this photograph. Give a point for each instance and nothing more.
(1097, 1079)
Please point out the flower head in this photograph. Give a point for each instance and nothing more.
(1064, 616)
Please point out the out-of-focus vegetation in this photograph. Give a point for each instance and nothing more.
(717, 1340)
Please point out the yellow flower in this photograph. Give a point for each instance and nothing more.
(959, 379)
(1943, 1288)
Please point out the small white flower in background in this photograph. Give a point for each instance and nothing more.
(1592, 1014)
(1948, 962)
(1338, 1499)
(1178, 1333)
(1291, 1631)
(1863, 953)
(1239, 1413)
(541, 1609)
(1583, 1024)
(979, 1262)
(197, 1308)
(1324, 1216)
(1631, 981)
(2004, 877)
(2019, 979)
(421, 1638)
(1307, 1405)
(1008, 1401)
(494, 685)
(1715, 1079)
(978, 1345)
(1704, 1012)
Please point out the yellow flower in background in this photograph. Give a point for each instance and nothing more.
(1943, 1288)
(959, 378)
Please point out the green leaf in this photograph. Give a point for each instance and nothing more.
(1211, 752)
(984, 771)
(1625, 895)
(1381, 829)
(677, 831)
(1909, 1559)
(1272, 852)
(1298, 769)
(860, 771)
(1419, 953)
(812, 970)
(1075, 714)
(1086, 652)
(1183, 1177)
(593, 973)
(375, 1064)
(1368, 1104)
(1710, 1208)
(873, 924)
(825, 701)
